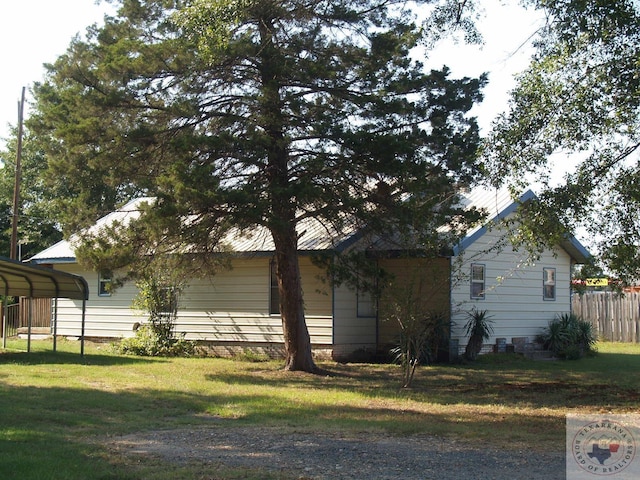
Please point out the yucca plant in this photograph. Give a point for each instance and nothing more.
(568, 336)
(479, 328)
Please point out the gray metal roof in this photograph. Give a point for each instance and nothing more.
(316, 236)
(64, 252)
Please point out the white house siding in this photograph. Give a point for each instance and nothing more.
(232, 307)
(106, 316)
(514, 290)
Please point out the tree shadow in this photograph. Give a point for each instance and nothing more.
(67, 358)
(586, 384)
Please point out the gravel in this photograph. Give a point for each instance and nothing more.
(320, 456)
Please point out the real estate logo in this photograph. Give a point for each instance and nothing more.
(603, 446)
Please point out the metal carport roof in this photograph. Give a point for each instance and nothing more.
(18, 279)
(21, 280)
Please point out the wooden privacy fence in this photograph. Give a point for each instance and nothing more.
(614, 317)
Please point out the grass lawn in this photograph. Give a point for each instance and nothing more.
(55, 408)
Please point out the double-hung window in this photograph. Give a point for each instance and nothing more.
(549, 283)
(477, 281)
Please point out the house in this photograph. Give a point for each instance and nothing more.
(237, 309)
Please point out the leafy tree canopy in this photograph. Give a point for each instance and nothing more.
(580, 96)
(37, 226)
(261, 113)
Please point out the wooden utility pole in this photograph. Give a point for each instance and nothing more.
(16, 186)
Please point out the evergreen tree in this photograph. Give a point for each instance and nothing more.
(260, 113)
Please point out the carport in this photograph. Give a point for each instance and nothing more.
(22, 280)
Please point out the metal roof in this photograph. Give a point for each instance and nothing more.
(64, 251)
(498, 205)
(21, 280)
(316, 236)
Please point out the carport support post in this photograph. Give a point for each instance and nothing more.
(29, 322)
(55, 322)
(84, 308)
(5, 307)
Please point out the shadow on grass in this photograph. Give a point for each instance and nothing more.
(75, 421)
(67, 358)
(608, 381)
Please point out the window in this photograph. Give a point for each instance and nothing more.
(274, 293)
(477, 281)
(104, 284)
(549, 283)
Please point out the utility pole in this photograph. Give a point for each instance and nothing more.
(16, 187)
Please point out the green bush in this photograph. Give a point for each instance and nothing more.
(150, 342)
(569, 337)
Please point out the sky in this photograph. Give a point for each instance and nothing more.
(34, 32)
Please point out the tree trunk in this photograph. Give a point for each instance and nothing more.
(283, 205)
(296, 335)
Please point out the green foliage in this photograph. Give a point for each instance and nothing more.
(421, 330)
(260, 114)
(156, 340)
(580, 95)
(38, 225)
(569, 337)
(478, 328)
(159, 290)
(420, 338)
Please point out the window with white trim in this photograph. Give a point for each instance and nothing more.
(477, 280)
(549, 283)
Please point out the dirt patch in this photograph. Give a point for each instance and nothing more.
(323, 456)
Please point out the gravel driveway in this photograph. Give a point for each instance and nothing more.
(336, 457)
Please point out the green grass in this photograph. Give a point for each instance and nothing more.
(57, 409)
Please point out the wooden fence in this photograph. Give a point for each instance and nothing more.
(615, 318)
(18, 315)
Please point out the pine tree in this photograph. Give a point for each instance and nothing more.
(261, 113)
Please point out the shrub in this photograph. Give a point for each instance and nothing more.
(150, 342)
(419, 340)
(569, 337)
(158, 292)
